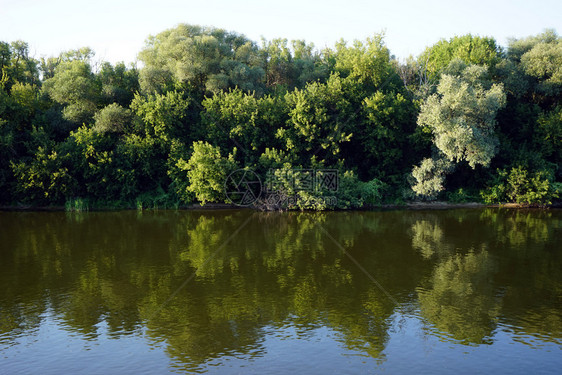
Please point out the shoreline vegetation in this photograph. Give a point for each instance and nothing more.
(433, 205)
(467, 122)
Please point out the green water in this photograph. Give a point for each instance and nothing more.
(463, 291)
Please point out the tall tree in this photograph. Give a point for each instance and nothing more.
(462, 119)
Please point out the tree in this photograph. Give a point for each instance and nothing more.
(76, 88)
(118, 84)
(461, 117)
(319, 121)
(544, 63)
(164, 116)
(112, 119)
(205, 59)
(519, 186)
(239, 120)
(206, 171)
(468, 48)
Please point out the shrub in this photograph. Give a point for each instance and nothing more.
(521, 186)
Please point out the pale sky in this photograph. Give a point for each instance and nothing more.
(117, 29)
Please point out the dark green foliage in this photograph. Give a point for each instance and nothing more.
(207, 101)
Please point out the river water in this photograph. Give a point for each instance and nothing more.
(240, 292)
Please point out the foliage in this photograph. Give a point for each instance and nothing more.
(206, 101)
(206, 171)
(462, 116)
(76, 88)
(207, 59)
(518, 185)
(429, 177)
(43, 179)
(467, 48)
(162, 115)
(112, 119)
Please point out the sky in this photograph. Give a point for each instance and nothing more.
(117, 29)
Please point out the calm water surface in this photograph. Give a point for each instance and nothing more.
(455, 291)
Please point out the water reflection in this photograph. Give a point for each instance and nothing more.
(206, 285)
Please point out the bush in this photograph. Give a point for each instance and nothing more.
(520, 186)
(207, 171)
(463, 196)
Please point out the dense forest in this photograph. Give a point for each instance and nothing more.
(467, 120)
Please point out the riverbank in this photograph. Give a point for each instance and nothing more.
(437, 205)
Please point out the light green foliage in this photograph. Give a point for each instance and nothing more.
(430, 176)
(236, 119)
(536, 61)
(462, 116)
(207, 171)
(164, 115)
(84, 54)
(291, 67)
(544, 62)
(318, 120)
(364, 62)
(20, 106)
(290, 187)
(112, 119)
(518, 185)
(76, 88)
(208, 59)
(273, 158)
(91, 155)
(25, 96)
(518, 47)
(467, 48)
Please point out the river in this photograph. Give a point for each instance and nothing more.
(236, 291)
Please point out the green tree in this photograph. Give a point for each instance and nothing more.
(112, 119)
(237, 119)
(118, 84)
(76, 88)
(319, 121)
(164, 116)
(43, 178)
(467, 48)
(518, 185)
(207, 59)
(206, 171)
(462, 119)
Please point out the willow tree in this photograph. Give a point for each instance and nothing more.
(204, 59)
(462, 118)
(76, 88)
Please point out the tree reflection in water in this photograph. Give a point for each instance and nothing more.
(467, 273)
